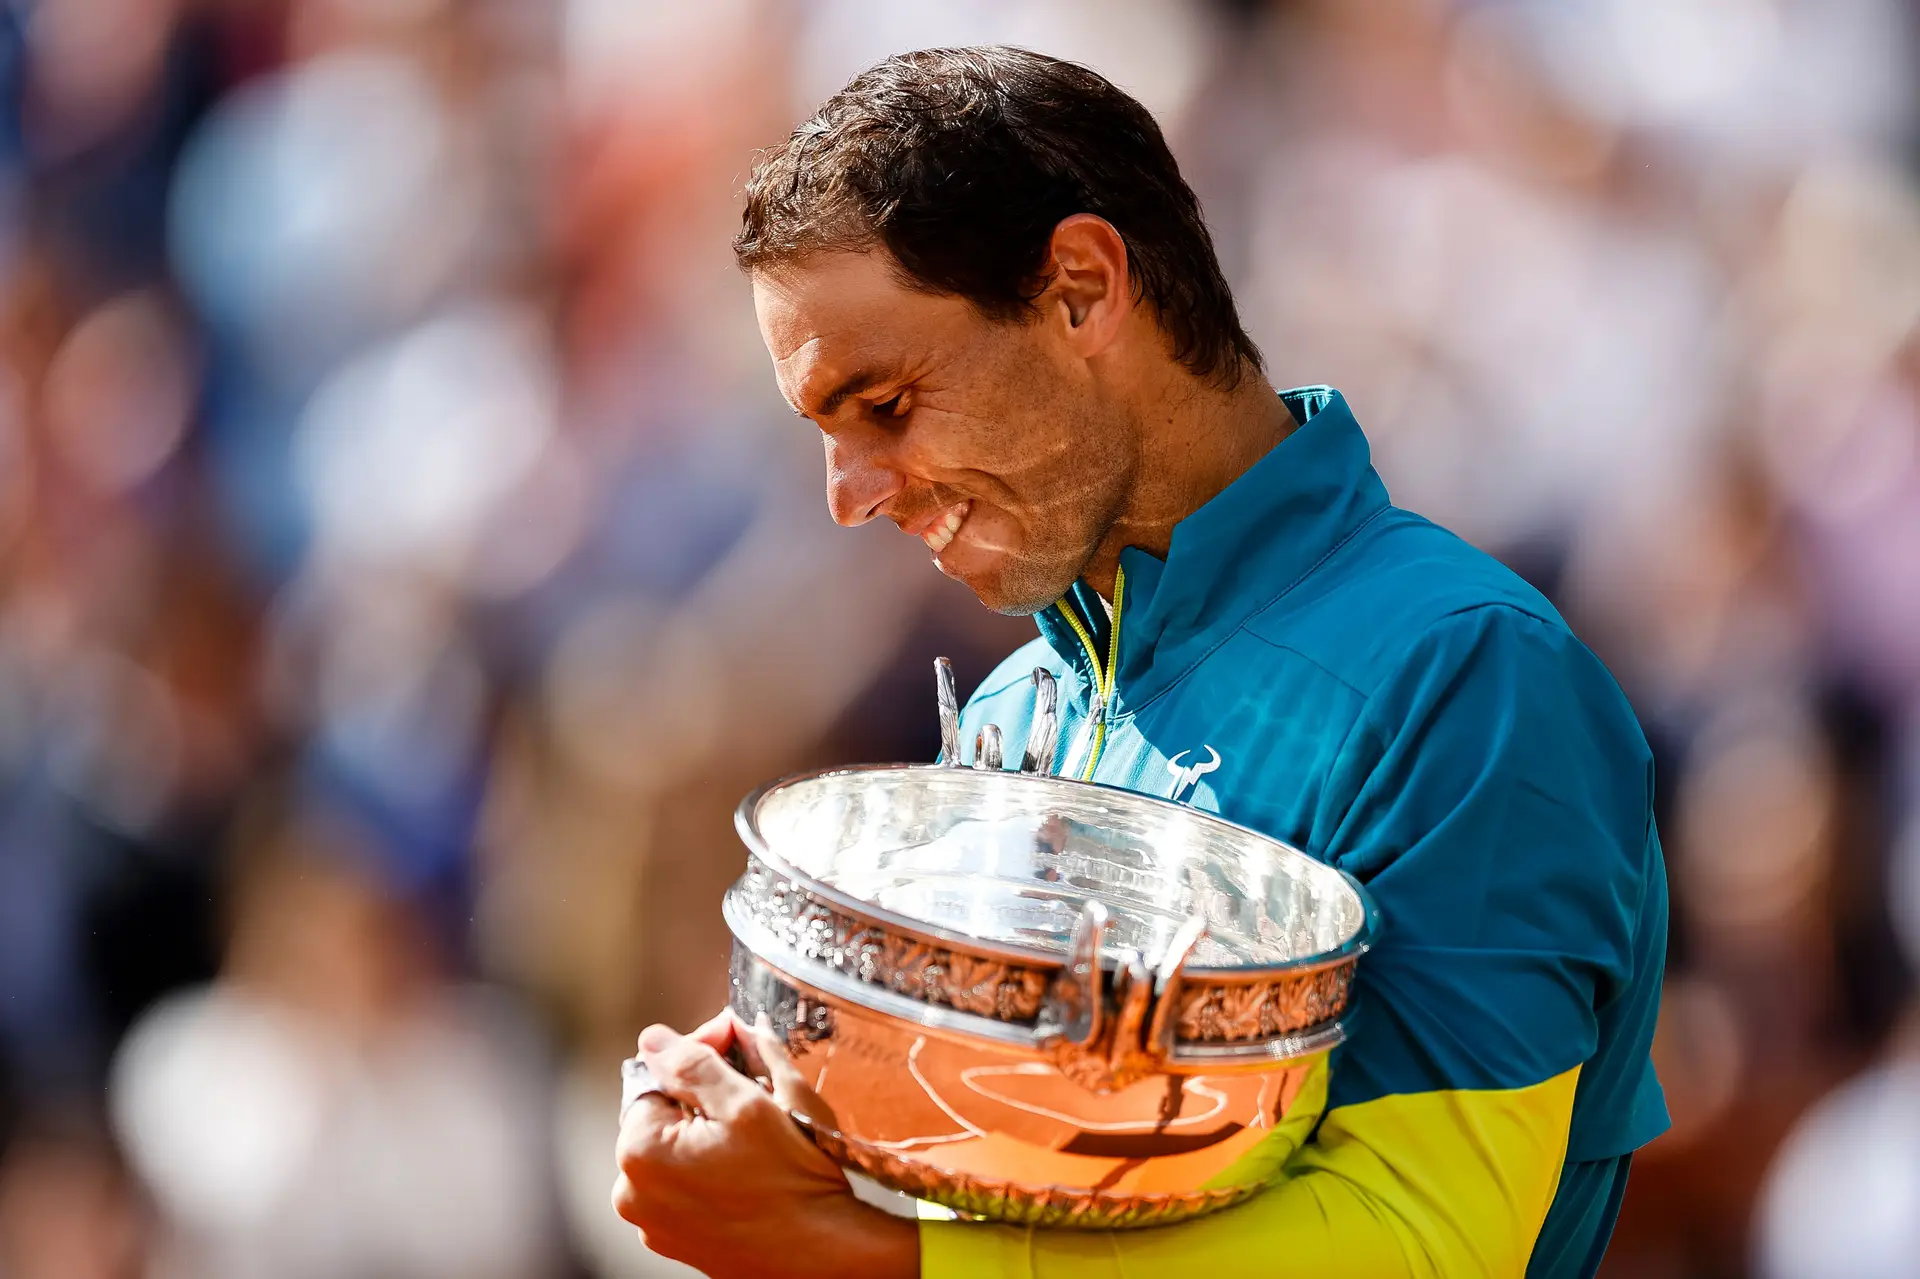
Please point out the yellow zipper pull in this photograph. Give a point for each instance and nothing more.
(1103, 679)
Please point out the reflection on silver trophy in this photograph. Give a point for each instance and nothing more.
(1037, 1000)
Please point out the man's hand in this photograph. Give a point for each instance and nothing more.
(720, 1178)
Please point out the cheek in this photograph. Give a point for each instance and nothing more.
(956, 451)
(993, 528)
(1010, 413)
(1028, 458)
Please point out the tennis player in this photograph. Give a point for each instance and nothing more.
(982, 279)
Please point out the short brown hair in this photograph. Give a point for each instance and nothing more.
(962, 161)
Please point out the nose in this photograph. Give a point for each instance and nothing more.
(859, 481)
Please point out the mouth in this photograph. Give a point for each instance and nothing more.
(940, 531)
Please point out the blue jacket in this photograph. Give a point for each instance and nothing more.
(1371, 689)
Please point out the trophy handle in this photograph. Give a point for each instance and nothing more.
(1043, 736)
(1166, 985)
(1105, 1035)
(949, 712)
(1075, 1009)
(987, 748)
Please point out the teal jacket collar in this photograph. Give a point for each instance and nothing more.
(1231, 558)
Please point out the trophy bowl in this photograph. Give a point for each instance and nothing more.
(1042, 1001)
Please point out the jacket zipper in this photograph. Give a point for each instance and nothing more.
(1102, 678)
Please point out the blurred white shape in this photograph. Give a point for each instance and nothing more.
(119, 392)
(1507, 103)
(1845, 263)
(1156, 50)
(658, 50)
(217, 1102)
(585, 1106)
(1842, 1200)
(1767, 82)
(841, 38)
(1519, 359)
(444, 1162)
(1683, 55)
(275, 1145)
(318, 204)
(407, 450)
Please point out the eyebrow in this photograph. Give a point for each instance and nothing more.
(850, 386)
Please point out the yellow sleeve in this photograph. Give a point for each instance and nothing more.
(1440, 1184)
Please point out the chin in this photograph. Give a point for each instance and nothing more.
(1016, 608)
(1004, 592)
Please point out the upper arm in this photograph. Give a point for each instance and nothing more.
(1495, 805)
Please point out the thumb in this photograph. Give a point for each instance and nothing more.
(717, 1032)
(693, 1074)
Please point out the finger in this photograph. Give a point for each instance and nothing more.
(793, 1095)
(717, 1032)
(693, 1074)
(649, 1206)
(647, 1134)
(747, 1040)
(790, 1087)
(647, 1123)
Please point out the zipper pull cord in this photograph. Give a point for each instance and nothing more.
(1103, 680)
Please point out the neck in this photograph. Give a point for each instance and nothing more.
(1195, 440)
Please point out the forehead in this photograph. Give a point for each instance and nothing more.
(833, 314)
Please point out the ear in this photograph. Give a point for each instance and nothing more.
(1090, 294)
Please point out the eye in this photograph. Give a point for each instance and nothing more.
(895, 407)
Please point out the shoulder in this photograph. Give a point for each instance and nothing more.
(1516, 668)
(1498, 711)
(1403, 587)
(1450, 651)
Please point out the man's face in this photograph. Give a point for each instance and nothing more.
(991, 442)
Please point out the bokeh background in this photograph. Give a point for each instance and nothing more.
(406, 561)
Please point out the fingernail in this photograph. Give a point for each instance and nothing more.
(656, 1038)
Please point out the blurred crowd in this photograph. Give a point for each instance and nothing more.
(406, 561)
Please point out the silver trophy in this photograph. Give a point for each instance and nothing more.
(1036, 1000)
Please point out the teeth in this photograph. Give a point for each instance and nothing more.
(940, 535)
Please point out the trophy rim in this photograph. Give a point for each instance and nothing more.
(747, 825)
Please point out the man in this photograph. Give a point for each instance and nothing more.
(980, 274)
